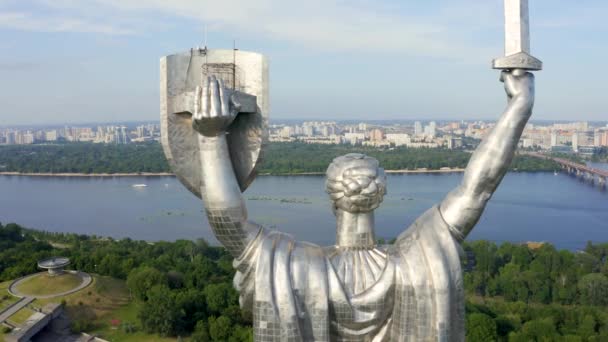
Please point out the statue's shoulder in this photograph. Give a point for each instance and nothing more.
(270, 238)
(429, 229)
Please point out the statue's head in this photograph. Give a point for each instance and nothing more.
(355, 183)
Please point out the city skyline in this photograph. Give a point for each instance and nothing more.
(576, 137)
(389, 59)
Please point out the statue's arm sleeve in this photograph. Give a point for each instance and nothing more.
(462, 207)
(222, 198)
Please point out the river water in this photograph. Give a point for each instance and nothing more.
(527, 207)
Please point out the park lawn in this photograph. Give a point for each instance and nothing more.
(43, 284)
(6, 298)
(21, 316)
(120, 335)
(104, 295)
(125, 314)
(106, 299)
(2, 334)
(4, 286)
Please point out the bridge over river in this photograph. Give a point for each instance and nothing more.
(598, 176)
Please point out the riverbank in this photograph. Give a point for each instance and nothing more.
(168, 174)
(417, 171)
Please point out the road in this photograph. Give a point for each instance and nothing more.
(16, 307)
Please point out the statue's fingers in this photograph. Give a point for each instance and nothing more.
(334, 186)
(224, 104)
(336, 195)
(214, 93)
(518, 72)
(197, 103)
(205, 99)
(236, 105)
(509, 81)
(502, 76)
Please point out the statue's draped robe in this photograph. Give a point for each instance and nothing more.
(295, 293)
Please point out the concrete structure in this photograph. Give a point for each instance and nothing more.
(14, 308)
(54, 265)
(35, 323)
(14, 286)
(594, 175)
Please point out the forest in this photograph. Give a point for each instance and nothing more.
(277, 158)
(184, 287)
(515, 292)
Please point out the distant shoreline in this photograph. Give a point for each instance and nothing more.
(77, 174)
(168, 174)
(387, 171)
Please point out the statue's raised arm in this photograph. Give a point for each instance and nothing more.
(462, 207)
(214, 111)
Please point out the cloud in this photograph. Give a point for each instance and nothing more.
(28, 22)
(358, 26)
(442, 28)
(18, 66)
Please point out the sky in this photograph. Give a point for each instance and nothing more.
(73, 61)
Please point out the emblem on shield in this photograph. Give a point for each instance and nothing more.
(243, 73)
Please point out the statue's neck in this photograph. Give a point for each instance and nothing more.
(355, 230)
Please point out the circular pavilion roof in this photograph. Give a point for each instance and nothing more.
(54, 262)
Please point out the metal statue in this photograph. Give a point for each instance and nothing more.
(355, 290)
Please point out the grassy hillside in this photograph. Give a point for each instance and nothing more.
(5, 298)
(43, 284)
(103, 308)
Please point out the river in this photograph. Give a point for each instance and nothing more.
(527, 207)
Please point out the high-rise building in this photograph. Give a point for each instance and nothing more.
(418, 128)
(376, 135)
(124, 138)
(553, 138)
(399, 139)
(325, 131)
(431, 129)
(309, 131)
(354, 138)
(50, 135)
(286, 132)
(27, 138)
(10, 138)
(297, 130)
(575, 141)
(604, 138)
(141, 131)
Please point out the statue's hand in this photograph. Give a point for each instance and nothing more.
(214, 109)
(518, 84)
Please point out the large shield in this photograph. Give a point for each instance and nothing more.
(246, 74)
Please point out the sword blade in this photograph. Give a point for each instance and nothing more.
(517, 39)
(517, 27)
